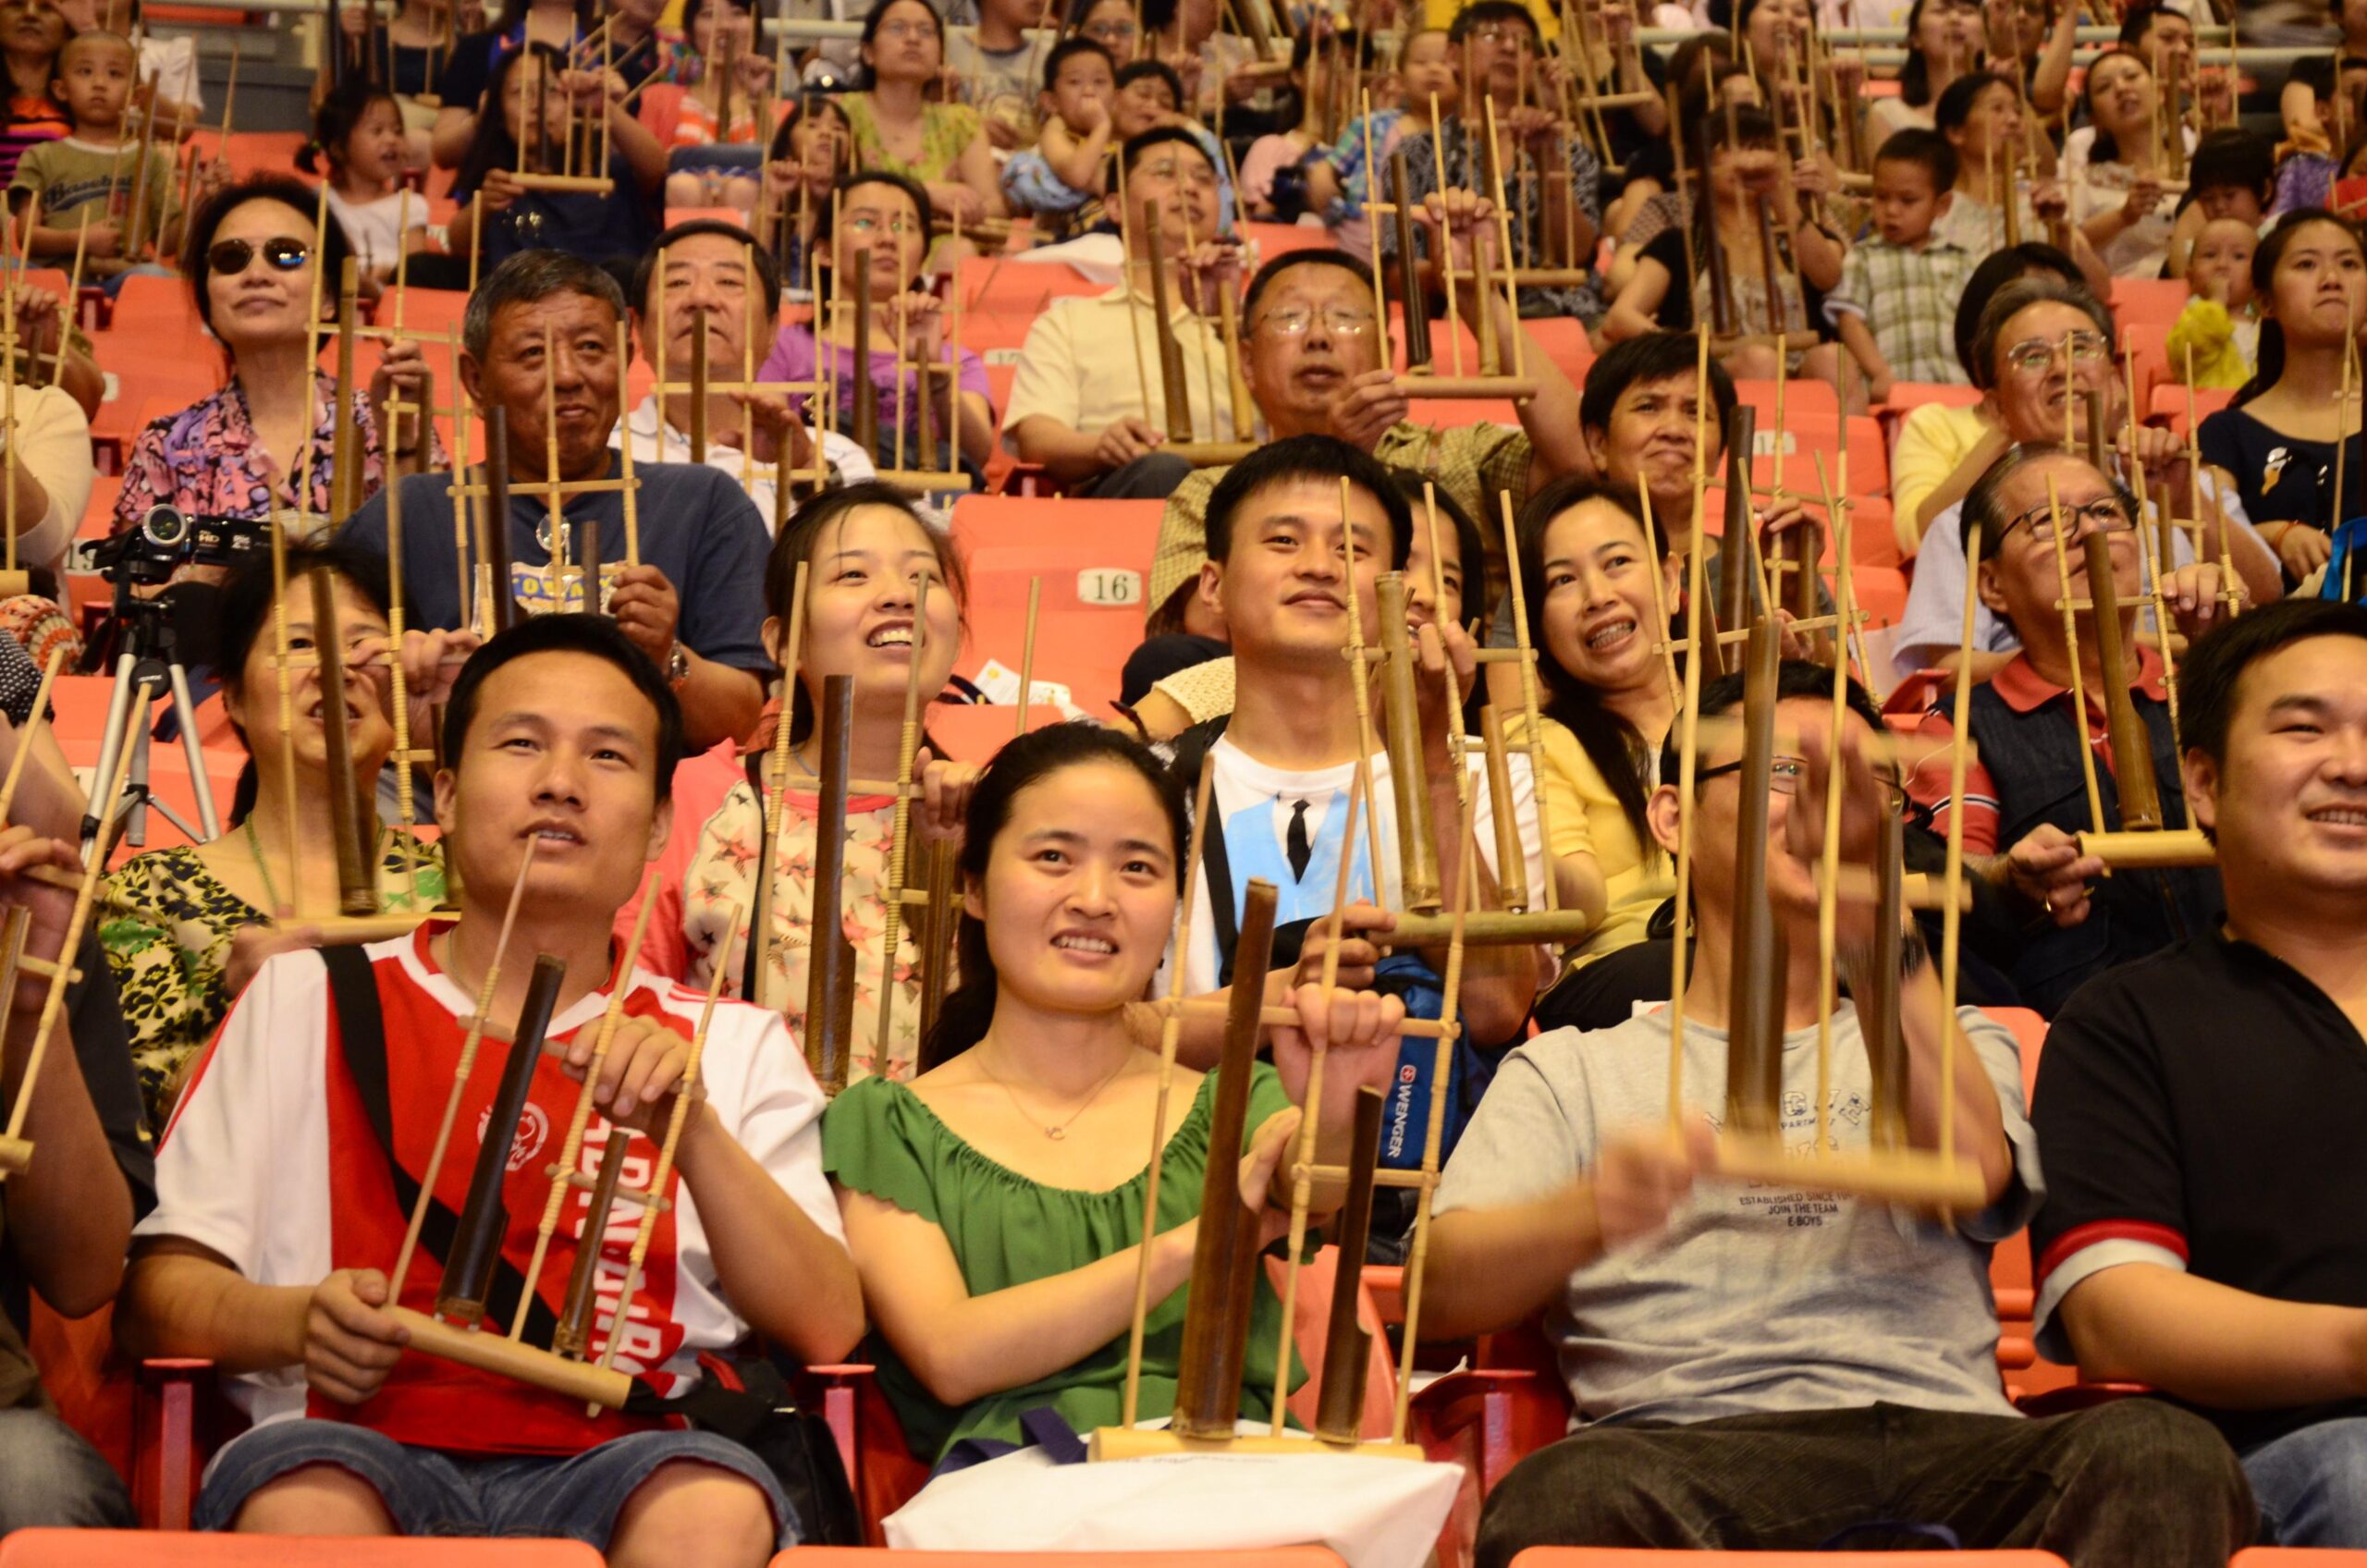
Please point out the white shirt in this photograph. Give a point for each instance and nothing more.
(1254, 805)
(53, 445)
(375, 228)
(2139, 250)
(652, 445)
(1077, 368)
(171, 64)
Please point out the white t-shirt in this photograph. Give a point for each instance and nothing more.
(375, 228)
(654, 441)
(53, 445)
(2139, 250)
(1252, 806)
(245, 1168)
(171, 65)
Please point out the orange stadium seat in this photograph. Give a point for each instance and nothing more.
(2297, 1557)
(140, 1549)
(1614, 1556)
(2171, 400)
(2148, 299)
(875, 1557)
(1080, 642)
(1280, 238)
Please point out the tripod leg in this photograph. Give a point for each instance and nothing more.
(111, 736)
(135, 788)
(185, 714)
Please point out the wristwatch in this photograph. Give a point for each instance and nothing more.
(678, 666)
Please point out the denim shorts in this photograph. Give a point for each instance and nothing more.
(429, 1492)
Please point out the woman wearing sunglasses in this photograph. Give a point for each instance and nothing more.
(250, 259)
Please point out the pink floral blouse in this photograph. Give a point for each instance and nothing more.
(205, 460)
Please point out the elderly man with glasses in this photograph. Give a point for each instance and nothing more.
(1311, 355)
(2025, 799)
(2042, 350)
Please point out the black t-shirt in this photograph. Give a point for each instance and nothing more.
(2202, 1108)
(462, 83)
(1667, 248)
(2278, 478)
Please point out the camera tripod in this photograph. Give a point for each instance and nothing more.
(147, 665)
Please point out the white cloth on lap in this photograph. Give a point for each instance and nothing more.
(1375, 1512)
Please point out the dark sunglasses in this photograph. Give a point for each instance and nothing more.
(229, 257)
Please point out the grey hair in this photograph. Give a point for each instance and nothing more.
(1984, 504)
(527, 278)
(2012, 301)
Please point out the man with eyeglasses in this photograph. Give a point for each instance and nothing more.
(2025, 803)
(709, 267)
(1500, 49)
(1758, 1366)
(1310, 353)
(1078, 405)
(2042, 351)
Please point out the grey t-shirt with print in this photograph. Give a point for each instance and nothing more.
(1757, 1298)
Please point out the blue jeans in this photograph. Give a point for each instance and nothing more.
(2312, 1484)
(429, 1492)
(51, 1478)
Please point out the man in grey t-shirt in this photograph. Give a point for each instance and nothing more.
(1761, 1366)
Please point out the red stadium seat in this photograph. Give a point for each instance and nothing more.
(1080, 642)
(873, 1557)
(2171, 400)
(1614, 1556)
(1800, 396)
(139, 1548)
(2148, 299)
(1565, 341)
(2297, 1557)
(1280, 238)
(1906, 395)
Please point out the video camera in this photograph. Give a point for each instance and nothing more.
(168, 539)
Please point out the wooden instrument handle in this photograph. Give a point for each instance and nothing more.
(476, 1245)
(1225, 1258)
(1755, 1041)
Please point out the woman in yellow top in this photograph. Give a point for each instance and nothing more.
(943, 146)
(1585, 561)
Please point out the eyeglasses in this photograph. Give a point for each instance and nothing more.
(228, 258)
(1169, 168)
(865, 222)
(2104, 515)
(1785, 775)
(2033, 355)
(905, 30)
(1516, 38)
(1103, 32)
(1292, 321)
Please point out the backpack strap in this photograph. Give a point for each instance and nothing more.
(362, 1034)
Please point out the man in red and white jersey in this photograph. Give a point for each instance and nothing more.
(280, 1208)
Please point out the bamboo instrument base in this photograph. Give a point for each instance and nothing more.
(2161, 849)
(1480, 388)
(353, 930)
(1917, 1177)
(15, 1155)
(1210, 454)
(1136, 1442)
(589, 184)
(1490, 929)
(504, 1357)
(923, 480)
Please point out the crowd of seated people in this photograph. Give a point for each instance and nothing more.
(2098, 306)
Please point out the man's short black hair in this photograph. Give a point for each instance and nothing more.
(644, 272)
(2140, 18)
(1325, 459)
(1141, 141)
(1068, 49)
(1134, 71)
(1483, 11)
(1274, 268)
(595, 636)
(1928, 149)
(2230, 156)
(2212, 668)
(1655, 356)
(1794, 678)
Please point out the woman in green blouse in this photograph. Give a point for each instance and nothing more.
(185, 928)
(994, 1205)
(897, 127)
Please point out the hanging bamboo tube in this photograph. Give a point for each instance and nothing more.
(1755, 1021)
(829, 976)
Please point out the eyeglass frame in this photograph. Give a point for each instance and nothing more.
(2082, 512)
(1358, 324)
(2013, 355)
(1899, 799)
(300, 252)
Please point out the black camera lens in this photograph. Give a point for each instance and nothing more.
(166, 527)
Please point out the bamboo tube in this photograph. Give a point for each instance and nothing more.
(476, 1245)
(829, 978)
(1400, 713)
(1755, 1016)
(2132, 746)
(1027, 656)
(899, 845)
(2071, 647)
(1173, 390)
(1347, 1347)
(762, 925)
(353, 824)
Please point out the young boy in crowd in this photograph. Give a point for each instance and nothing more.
(93, 76)
(1069, 164)
(2232, 175)
(2216, 334)
(1896, 305)
(996, 70)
